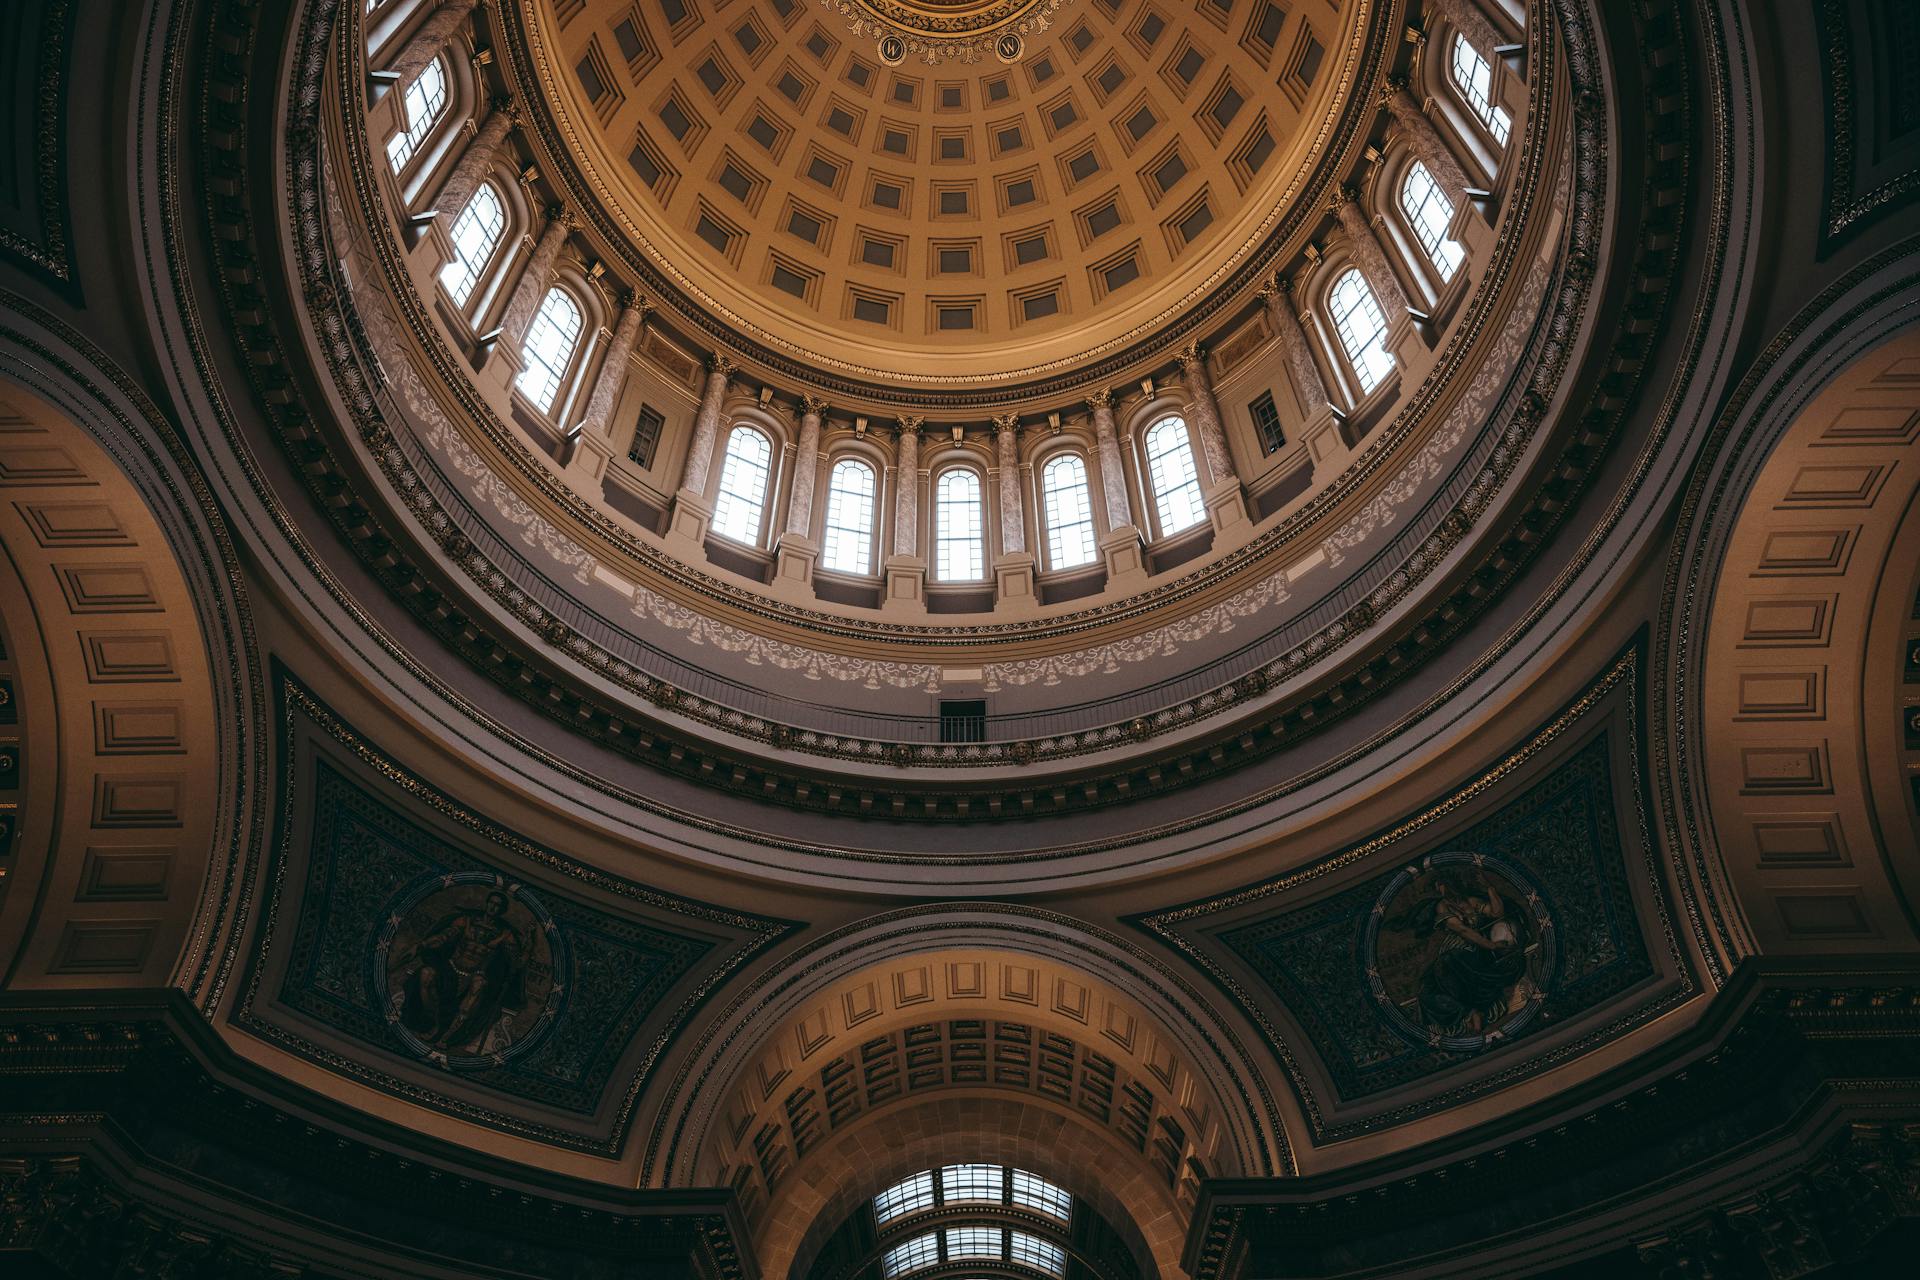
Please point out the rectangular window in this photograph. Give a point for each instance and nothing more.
(956, 317)
(590, 82)
(1267, 30)
(763, 132)
(736, 183)
(1021, 192)
(872, 310)
(953, 202)
(644, 165)
(1040, 305)
(1171, 170)
(1141, 123)
(970, 1183)
(886, 195)
(1266, 421)
(790, 281)
(646, 436)
(803, 226)
(713, 233)
(1103, 219)
(1083, 166)
(910, 1196)
(1032, 249)
(628, 38)
(1123, 272)
(1195, 222)
(877, 253)
(823, 172)
(956, 261)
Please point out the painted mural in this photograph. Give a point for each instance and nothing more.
(1505, 930)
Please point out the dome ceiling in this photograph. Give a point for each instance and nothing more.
(956, 217)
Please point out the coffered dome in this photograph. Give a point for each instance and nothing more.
(958, 218)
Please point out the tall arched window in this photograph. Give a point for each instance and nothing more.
(1362, 329)
(551, 338)
(421, 104)
(1473, 77)
(1069, 508)
(1429, 214)
(1176, 481)
(848, 546)
(959, 532)
(743, 486)
(475, 235)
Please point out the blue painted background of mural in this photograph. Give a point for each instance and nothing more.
(1563, 832)
(363, 854)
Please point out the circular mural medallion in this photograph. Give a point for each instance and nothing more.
(1460, 951)
(470, 969)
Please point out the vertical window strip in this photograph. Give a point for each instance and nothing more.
(1069, 511)
(975, 1242)
(1033, 1251)
(475, 235)
(1030, 1191)
(921, 1251)
(848, 548)
(422, 102)
(910, 1195)
(960, 547)
(549, 346)
(743, 486)
(1429, 214)
(1176, 480)
(1473, 77)
(1362, 328)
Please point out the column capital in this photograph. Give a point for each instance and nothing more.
(811, 403)
(1340, 197)
(723, 364)
(1100, 398)
(1006, 422)
(1192, 356)
(560, 215)
(505, 104)
(910, 423)
(1392, 87)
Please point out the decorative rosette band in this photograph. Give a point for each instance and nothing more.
(947, 30)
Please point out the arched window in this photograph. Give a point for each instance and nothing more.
(551, 338)
(1175, 479)
(475, 235)
(1473, 77)
(743, 486)
(1069, 507)
(1430, 213)
(848, 546)
(1362, 329)
(959, 537)
(421, 105)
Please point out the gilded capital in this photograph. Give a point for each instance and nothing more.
(722, 363)
(1006, 421)
(1100, 398)
(811, 403)
(910, 424)
(1191, 355)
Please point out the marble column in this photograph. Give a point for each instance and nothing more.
(1473, 23)
(1293, 343)
(534, 278)
(906, 488)
(796, 552)
(1006, 456)
(591, 442)
(475, 162)
(806, 462)
(1205, 411)
(906, 570)
(1370, 257)
(1427, 142)
(429, 40)
(706, 427)
(1120, 545)
(1226, 504)
(1015, 566)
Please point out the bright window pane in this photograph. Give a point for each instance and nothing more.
(1473, 77)
(962, 1183)
(743, 486)
(1033, 1192)
(1176, 482)
(972, 1242)
(1036, 1252)
(1069, 509)
(1362, 329)
(921, 1251)
(909, 1196)
(475, 235)
(421, 103)
(959, 537)
(848, 546)
(1430, 213)
(549, 346)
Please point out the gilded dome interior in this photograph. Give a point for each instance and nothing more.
(959, 639)
(947, 218)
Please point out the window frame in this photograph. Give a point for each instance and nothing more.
(870, 535)
(477, 270)
(1445, 266)
(723, 497)
(1154, 481)
(1082, 526)
(561, 371)
(939, 516)
(1478, 98)
(1366, 378)
(411, 137)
